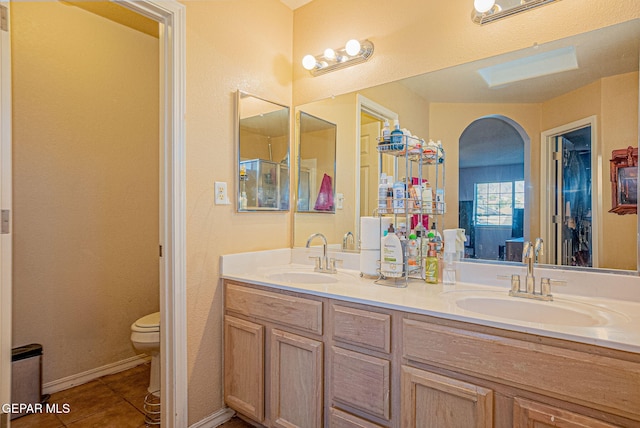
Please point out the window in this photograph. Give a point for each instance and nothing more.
(495, 202)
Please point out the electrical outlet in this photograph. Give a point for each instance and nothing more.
(221, 193)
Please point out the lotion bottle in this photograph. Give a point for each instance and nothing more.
(392, 264)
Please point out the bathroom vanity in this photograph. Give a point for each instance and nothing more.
(312, 350)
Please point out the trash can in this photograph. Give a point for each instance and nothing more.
(26, 375)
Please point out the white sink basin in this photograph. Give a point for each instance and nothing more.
(555, 312)
(303, 277)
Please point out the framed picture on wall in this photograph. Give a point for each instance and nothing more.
(624, 181)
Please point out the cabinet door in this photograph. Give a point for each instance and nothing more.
(244, 367)
(296, 381)
(531, 414)
(434, 401)
(361, 381)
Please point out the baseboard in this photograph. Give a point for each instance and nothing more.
(214, 420)
(93, 374)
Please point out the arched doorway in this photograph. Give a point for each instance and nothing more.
(493, 166)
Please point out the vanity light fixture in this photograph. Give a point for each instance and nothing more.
(486, 11)
(354, 52)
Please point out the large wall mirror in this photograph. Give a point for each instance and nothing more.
(528, 136)
(263, 154)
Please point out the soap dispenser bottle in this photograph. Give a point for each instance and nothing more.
(431, 265)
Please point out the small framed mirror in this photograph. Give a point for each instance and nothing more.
(263, 154)
(316, 164)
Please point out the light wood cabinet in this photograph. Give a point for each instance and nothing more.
(296, 381)
(527, 413)
(361, 381)
(244, 367)
(430, 400)
(273, 371)
(293, 360)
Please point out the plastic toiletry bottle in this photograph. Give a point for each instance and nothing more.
(454, 240)
(451, 257)
(412, 252)
(382, 193)
(392, 264)
(398, 197)
(427, 198)
(396, 137)
(243, 200)
(386, 136)
(437, 238)
(431, 265)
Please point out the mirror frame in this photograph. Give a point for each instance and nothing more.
(240, 94)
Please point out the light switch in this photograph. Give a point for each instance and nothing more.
(221, 193)
(339, 200)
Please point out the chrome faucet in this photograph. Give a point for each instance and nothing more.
(530, 254)
(528, 259)
(323, 264)
(345, 240)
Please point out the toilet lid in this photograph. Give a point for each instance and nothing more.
(149, 321)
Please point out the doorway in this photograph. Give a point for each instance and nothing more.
(370, 118)
(571, 210)
(171, 16)
(493, 171)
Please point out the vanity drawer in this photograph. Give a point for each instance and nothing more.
(340, 419)
(284, 309)
(361, 381)
(598, 381)
(371, 330)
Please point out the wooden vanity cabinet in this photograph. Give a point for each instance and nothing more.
(360, 366)
(297, 360)
(273, 357)
(532, 381)
(429, 399)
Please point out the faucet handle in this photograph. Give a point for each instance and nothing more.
(546, 283)
(332, 264)
(318, 260)
(515, 281)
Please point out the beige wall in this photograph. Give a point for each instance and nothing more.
(448, 121)
(85, 159)
(231, 44)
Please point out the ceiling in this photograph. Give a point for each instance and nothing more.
(605, 52)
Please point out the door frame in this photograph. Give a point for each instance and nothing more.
(171, 16)
(372, 108)
(547, 182)
(5, 204)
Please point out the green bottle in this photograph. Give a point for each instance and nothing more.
(431, 265)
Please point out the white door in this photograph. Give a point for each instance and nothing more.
(5, 204)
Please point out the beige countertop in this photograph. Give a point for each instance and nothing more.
(575, 314)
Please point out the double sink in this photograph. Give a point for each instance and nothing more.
(488, 303)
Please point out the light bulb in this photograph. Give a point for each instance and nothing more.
(483, 6)
(330, 54)
(309, 62)
(352, 47)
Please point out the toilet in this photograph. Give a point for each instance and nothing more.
(145, 337)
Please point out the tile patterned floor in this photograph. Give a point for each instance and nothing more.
(111, 401)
